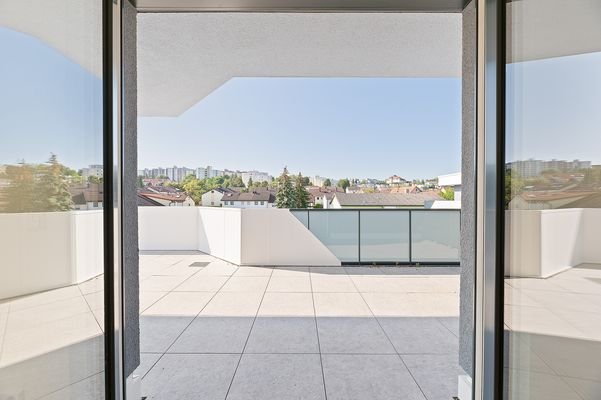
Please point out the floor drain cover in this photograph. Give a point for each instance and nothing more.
(199, 264)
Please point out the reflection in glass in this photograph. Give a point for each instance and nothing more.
(553, 201)
(384, 236)
(51, 273)
(339, 231)
(435, 236)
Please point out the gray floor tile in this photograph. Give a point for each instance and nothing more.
(278, 376)
(190, 377)
(283, 335)
(451, 323)
(158, 333)
(419, 335)
(352, 335)
(147, 360)
(214, 335)
(373, 377)
(435, 374)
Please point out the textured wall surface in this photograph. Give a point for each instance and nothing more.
(202, 51)
(468, 196)
(130, 207)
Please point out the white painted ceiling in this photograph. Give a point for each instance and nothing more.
(184, 57)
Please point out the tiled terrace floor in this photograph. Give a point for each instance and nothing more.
(212, 330)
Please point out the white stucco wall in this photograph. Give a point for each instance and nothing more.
(220, 232)
(168, 228)
(43, 251)
(264, 236)
(542, 243)
(276, 237)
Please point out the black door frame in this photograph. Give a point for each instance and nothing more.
(112, 222)
(490, 138)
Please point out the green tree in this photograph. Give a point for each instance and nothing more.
(195, 188)
(448, 193)
(300, 193)
(514, 185)
(344, 183)
(54, 187)
(285, 196)
(327, 183)
(236, 181)
(21, 194)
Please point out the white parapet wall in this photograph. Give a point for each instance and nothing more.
(241, 236)
(48, 250)
(168, 228)
(276, 237)
(542, 243)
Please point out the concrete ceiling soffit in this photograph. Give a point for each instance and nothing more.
(72, 27)
(537, 28)
(183, 57)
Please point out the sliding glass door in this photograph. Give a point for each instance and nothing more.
(552, 201)
(54, 180)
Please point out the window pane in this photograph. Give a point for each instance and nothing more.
(51, 200)
(553, 200)
(339, 231)
(435, 236)
(384, 236)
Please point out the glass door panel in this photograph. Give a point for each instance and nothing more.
(552, 312)
(51, 200)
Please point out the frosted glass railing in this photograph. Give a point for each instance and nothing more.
(386, 236)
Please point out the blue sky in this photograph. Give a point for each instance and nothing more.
(336, 127)
(48, 103)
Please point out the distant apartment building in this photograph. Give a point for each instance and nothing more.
(208, 172)
(256, 176)
(254, 199)
(96, 171)
(178, 174)
(318, 180)
(383, 200)
(152, 173)
(531, 168)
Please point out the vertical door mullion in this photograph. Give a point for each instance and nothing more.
(111, 92)
(488, 373)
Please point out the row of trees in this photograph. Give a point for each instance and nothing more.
(37, 187)
(291, 191)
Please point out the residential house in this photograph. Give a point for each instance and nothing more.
(322, 196)
(395, 180)
(383, 200)
(213, 197)
(89, 197)
(254, 199)
(546, 200)
(167, 198)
